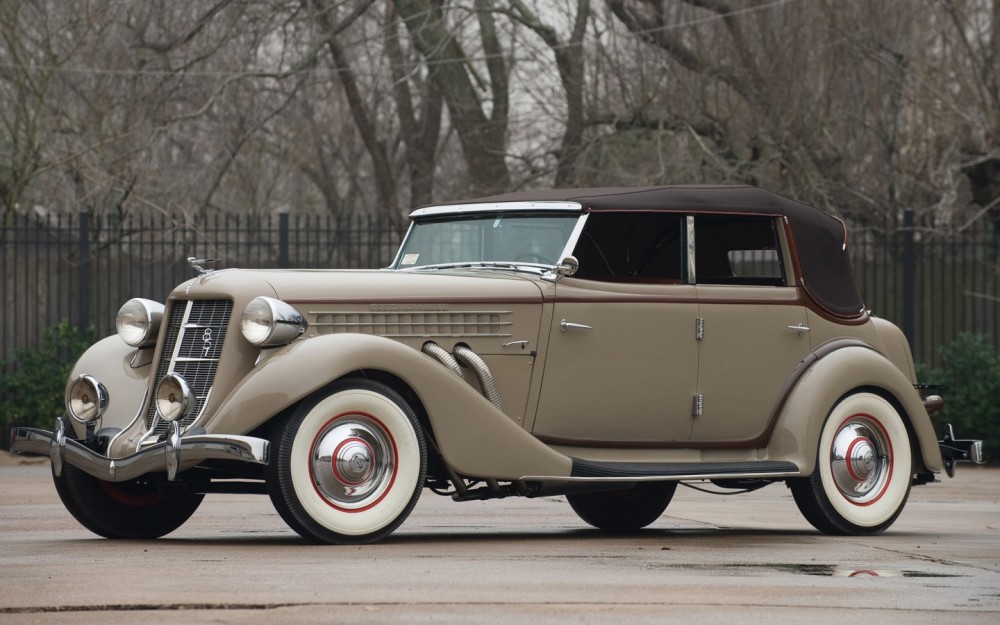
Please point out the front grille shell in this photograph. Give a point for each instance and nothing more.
(192, 347)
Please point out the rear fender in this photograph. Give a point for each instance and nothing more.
(475, 438)
(825, 382)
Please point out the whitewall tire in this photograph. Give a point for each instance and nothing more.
(349, 464)
(864, 468)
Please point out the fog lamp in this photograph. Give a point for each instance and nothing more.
(86, 399)
(173, 398)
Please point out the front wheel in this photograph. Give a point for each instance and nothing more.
(864, 469)
(626, 510)
(123, 509)
(349, 463)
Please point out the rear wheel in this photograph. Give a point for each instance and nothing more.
(864, 469)
(349, 463)
(131, 509)
(624, 510)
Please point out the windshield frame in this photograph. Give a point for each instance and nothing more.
(485, 210)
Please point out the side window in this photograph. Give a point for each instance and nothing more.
(731, 249)
(632, 246)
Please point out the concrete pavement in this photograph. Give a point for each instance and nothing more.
(738, 559)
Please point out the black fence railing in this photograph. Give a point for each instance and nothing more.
(82, 268)
(933, 283)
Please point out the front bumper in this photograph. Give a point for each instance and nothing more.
(163, 456)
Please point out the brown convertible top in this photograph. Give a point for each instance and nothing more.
(820, 240)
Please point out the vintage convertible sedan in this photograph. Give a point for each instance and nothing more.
(598, 344)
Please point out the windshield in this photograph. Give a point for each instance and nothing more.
(522, 238)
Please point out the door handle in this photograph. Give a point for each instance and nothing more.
(801, 329)
(568, 325)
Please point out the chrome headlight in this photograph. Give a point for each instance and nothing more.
(138, 322)
(173, 398)
(269, 322)
(86, 399)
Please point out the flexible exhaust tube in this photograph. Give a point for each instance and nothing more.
(440, 354)
(472, 360)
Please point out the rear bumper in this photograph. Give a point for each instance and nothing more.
(954, 450)
(163, 456)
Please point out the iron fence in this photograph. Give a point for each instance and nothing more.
(932, 282)
(82, 268)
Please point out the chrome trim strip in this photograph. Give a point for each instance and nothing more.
(574, 237)
(661, 478)
(496, 207)
(692, 276)
(429, 335)
(370, 324)
(180, 337)
(415, 311)
(154, 458)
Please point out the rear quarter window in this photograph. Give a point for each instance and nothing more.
(738, 250)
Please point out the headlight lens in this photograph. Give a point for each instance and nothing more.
(173, 398)
(269, 322)
(86, 399)
(138, 322)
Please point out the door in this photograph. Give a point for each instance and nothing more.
(620, 369)
(755, 327)
(621, 362)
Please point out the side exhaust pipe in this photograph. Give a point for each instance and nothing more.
(465, 356)
(472, 360)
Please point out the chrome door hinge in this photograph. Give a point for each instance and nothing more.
(698, 406)
(699, 328)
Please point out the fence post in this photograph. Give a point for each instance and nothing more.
(909, 279)
(83, 275)
(283, 240)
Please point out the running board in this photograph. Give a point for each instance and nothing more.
(598, 470)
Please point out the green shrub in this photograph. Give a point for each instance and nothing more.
(31, 392)
(971, 371)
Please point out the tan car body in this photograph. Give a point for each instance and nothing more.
(475, 438)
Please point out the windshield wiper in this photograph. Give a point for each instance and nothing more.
(487, 264)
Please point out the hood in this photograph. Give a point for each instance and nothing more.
(323, 285)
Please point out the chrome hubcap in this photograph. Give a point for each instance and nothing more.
(353, 462)
(860, 460)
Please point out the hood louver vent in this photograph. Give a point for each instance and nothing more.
(457, 324)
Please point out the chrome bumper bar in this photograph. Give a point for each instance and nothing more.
(165, 456)
(955, 450)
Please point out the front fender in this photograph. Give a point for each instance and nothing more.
(110, 361)
(829, 378)
(475, 438)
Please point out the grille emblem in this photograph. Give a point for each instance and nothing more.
(206, 338)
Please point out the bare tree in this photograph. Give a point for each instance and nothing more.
(482, 133)
(335, 106)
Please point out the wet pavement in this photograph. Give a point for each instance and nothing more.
(735, 559)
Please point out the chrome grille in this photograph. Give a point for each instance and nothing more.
(192, 347)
